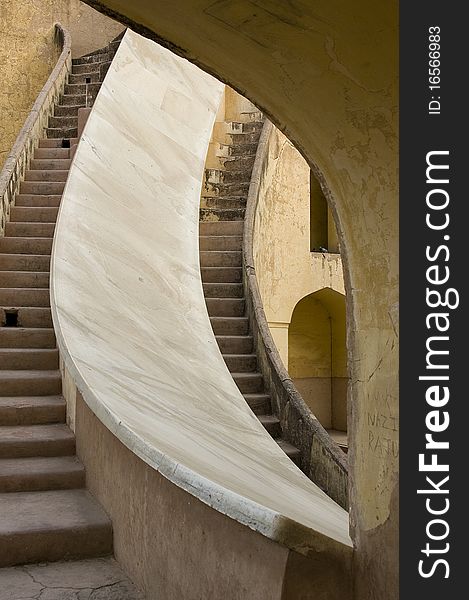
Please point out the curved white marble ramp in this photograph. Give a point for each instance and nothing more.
(129, 310)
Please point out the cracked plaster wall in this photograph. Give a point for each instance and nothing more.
(28, 53)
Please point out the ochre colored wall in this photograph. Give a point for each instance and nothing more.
(327, 74)
(317, 356)
(28, 53)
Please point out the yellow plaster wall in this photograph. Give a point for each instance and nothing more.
(28, 53)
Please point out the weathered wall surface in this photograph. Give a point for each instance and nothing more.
(326, 74)
(28, 53)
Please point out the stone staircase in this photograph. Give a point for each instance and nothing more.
(46, 514)
(223, 206)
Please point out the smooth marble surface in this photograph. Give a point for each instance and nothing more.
(129, 310)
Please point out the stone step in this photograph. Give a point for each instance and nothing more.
(260, 404)
(46, 175)
(85, 61)
(41, 474)
(242, 144)
(36, 230)
(23, 279)
(238, 127)
(50, 143)
(81, 89)
(87, 77)
(220, 242)
(291, 451)
(218, 176)
(33, 200)
(28, 316)
(16, 297)
(219, 290)
(271, 424)
(50, 164)
(30, 383)
(42, 153)
(236, 188)
(222, 214)
(218, 307)
(229, 326)
(238, 163)
(240, 363)
(31, 410)
(230, 203)
(248, 383)
(24, 262)
(52, 525)
(65, 110)
(25, 245)
(22, 441)
(63, 122)
(222, 274)
(221, 228)
(25, 337)
(220, 259)
(29, 358)
(74, 100)
(42, 188)
(35, 214)
(62, 132)
(234, 344)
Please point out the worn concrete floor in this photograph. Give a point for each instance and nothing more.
(95, 579)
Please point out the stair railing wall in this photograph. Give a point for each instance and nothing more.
(33, 129)
(321, 458)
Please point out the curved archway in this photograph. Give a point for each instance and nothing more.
(326, 74)
(317, 357)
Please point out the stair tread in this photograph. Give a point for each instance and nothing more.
(39, 465)
(35, 433)
(287, 447)
(57, 510)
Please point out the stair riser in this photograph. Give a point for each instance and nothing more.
(223, 290)
(222, 275)
(49, 546)
(221, 214)
(62, 132)
(30, 387)
(52, 153)
(26, 214)
(222, 203)
(19, 262)
(42, 188)
(220, 243)
(249, 385)
(259, 406)
(74, 100)
(31, 415)
(239, 163)
(24, 297)
(29, 317)
(53, 175)
(234, 345)
(241, 364)
(28, 448)
(63, 122)
(81, 64)
(225, 189)
(220, 259)
(41, 359)
(42, 230)
(26, 338)
(81, 89)
(41, 482)
(50, 164)
(273, 429)
(221, 228)
(15, 245)
(84, 77)
(223, 307)
(22, 279)
(230, 326)
(39, 201)
(253, 127)
(217, 176)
